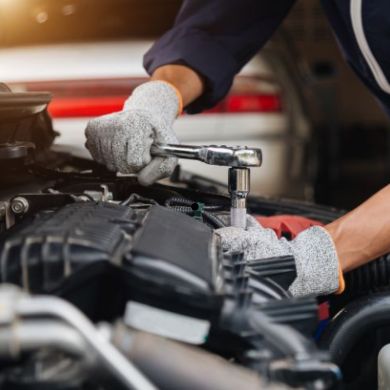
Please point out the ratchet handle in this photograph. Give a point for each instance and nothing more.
(179, 151)
(214, 155)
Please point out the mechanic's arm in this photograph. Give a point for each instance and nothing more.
(363, 234)
(192, 65)
(216, 38)
(189, 84)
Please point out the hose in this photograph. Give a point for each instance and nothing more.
(373, 276)
(353, 322)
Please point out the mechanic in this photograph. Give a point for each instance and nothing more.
(193, 66)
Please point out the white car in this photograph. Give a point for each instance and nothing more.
(91, 78)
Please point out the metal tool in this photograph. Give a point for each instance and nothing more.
(239, 158)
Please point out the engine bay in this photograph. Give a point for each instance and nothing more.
(108, 284)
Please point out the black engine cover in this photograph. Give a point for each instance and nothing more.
(39, 255)
(100, 255)
(183, 243)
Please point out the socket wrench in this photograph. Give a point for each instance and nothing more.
(238, 158)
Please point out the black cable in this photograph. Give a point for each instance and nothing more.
(213, 219)
(189, 207)
(177, 201)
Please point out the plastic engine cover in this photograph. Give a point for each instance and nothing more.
(177, 248)
(115, 252)
(39, 255)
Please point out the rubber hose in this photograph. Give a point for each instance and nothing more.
(373, 276)
(353, 322)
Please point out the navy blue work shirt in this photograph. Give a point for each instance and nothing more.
(217, 38)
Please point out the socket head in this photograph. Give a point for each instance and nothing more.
(239, 181)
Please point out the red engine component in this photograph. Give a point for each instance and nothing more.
(287, 225)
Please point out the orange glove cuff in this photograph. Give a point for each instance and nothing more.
(341, 281)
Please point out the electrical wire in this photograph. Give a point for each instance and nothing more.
(189, 207)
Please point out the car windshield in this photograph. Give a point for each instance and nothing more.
(31, 22)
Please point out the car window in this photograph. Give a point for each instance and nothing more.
(28, 22)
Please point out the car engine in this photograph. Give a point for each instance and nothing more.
(107, 284)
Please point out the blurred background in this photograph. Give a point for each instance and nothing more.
(323, 135)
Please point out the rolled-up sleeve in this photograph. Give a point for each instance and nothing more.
(217, 38)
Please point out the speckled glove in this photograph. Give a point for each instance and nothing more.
(314, 252)
(122, 140)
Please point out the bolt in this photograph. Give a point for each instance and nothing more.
(19, 205)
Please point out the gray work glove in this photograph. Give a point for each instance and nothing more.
(122, 140)
(314, 252)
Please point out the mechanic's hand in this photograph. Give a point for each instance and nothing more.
(122, 140)
(314, 252)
